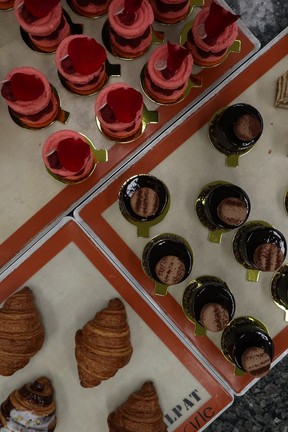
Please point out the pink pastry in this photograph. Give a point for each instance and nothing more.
(80, 61)
(119, 109)
(68, 154)
(130, 27)
(6, 4)
(170, 11)
(167, 73)
(90, 8)
(30, 97)
(44, 22)
(213, 31)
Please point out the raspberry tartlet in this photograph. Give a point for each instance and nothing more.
(30, 97)
(68, 155)
(130, 27)
(167, 73)
(80, 61)
(119, 111)
(44, 22)
(213, 31)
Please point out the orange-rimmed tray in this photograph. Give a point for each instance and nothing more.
(32, 200)
(71, 280)
(185, 161)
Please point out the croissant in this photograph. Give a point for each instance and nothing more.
(21, 332)
(29, 408)
(140, 413)
(103, 345)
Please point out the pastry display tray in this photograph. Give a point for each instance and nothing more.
(186, 161)
(71, 280)
(31, 200)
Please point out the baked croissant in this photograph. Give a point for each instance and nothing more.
(21, 332)
(29, 408)
(103, 345)
(140, 413)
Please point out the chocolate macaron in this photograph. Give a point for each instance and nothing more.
(145, 202)
(170, 269)
(256, 361)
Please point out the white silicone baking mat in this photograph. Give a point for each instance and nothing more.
(72, 280)
(185, 161)
(31, 200)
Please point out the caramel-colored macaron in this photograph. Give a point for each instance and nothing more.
(247, 127)
(144, 202)
(214, 317)
(268, 257)
(232, 211)
(170, 270)
(256, 361)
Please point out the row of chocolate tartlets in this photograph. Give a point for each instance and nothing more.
(102, 347)
(167, 259)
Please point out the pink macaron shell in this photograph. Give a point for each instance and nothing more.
(224, 41)
(51, 144)
(42, 26)
(75, 78)
(91, 9)
(144, 19)
(127, 50)
(171, 16)
(118, 128)
(33, 106)
(181, 76)
(53, 43)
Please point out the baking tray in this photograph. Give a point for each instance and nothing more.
(33, 201)
(185, 161)
(72, 279)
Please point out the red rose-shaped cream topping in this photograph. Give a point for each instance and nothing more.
(72, 153)
(26, 87)
(40, 8)
(86, 55)
(125, 103)
(217, 21)
(176, 56)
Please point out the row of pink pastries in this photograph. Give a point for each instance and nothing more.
(130, 27)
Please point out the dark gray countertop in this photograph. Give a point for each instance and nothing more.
(264, 408)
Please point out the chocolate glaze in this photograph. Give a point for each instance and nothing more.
(224, 128)
(244, 334)
(253, 236)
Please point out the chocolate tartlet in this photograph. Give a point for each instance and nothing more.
(279, 289)
(167, 259)
(144, 201)
(246, 343)
(259, 246)
(209, 303)
(236, 129)
(222, 206)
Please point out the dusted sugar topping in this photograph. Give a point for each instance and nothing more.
(256, 361)
(170, 66)
(232, 211)
(81, 57)
(38, 17)
(144, 202)
(26, 90)
(268, 257)
(130, 19)
(214, 317)
(219, 33)
(67, 153)
(170, 270)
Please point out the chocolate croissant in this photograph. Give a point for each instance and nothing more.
(31, 407)
(21, 332)
(103, 345)
(140, 413)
